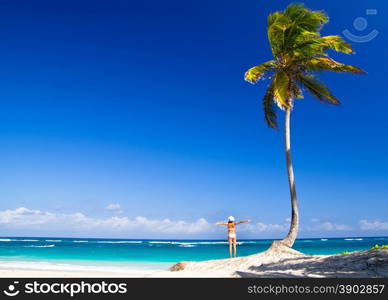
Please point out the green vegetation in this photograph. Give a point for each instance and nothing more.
(375, 247)
(299, 53)
(379, 247)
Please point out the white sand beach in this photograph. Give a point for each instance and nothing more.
(72, 271)
(281, 263)
(288, 264)
(20, 273)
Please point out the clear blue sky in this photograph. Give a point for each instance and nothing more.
(142, 104)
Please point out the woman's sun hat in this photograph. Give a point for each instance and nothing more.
(231, 219)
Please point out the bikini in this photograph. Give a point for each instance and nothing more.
(231, 235)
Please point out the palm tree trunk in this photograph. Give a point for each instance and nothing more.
(291, 236)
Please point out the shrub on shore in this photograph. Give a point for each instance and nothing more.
(379, 247)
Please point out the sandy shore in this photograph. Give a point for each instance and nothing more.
(19, 273)
(287, 263)
(283, 263)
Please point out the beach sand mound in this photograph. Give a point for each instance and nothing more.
(283, 262)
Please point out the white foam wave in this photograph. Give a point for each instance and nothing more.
(26, 240)
(119, 242)
(250, 242)
(190, 244)
(210, 243)
(80, 241)
(18, 240)
(187, 243)
(53, 240)
(324, 240)
(355, 239)
(159, 242)
(40, 246)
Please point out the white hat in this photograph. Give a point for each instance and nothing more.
(231, 219)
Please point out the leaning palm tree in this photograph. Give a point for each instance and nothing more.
(299, 52)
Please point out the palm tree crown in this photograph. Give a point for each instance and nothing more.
(299, 51)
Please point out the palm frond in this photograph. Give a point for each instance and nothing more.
(318, 64)
(317, 89)
(305, 18)
(282, 92)
(296, 92)
(278, 23)
(256, 73)
(318, 45)
(305, 23)
(335, 42)
(269, 107)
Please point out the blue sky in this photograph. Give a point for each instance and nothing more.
(129, 119)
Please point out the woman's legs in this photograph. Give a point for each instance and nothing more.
(234, 246)
(230, 246)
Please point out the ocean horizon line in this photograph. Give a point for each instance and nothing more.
(178, 239)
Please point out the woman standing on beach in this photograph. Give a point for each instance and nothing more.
(231, 225)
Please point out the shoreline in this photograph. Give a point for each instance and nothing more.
(28, 273)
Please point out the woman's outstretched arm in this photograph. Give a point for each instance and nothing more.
(221, 223)
(242, 221)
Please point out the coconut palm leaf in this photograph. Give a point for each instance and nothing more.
(304, 18)
(328, 64)
(258, 72)
(317, 89)
(334, 42)
(318, 46)
(296, 91)
(269, 107)
(281, 90)
(305, 23)
(277, 25)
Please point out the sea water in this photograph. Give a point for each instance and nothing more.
(138, 257)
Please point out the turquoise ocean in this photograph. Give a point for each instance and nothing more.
(137, 257)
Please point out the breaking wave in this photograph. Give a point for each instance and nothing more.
(40, 246)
